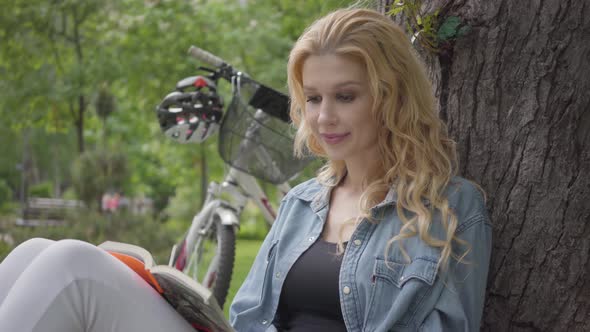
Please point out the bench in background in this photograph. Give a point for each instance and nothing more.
(46, 211)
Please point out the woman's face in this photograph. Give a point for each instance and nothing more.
(338, 108)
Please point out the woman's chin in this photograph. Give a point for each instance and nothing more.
(335, 156)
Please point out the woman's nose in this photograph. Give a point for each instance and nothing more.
(326, 116)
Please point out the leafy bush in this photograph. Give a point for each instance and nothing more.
(43, 189)
(253, 226)
(4, 249)
(253, 229)
(70, 193)
(95, 228)
(9, 208)
(185, 203)
(95, 172)
(5, 192)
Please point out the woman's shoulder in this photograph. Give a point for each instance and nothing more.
(467, 200)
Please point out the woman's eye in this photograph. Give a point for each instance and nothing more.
(313, 99)
(347, 98)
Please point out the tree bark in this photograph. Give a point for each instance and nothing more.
(514, 93)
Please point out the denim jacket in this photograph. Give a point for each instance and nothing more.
(377, 292)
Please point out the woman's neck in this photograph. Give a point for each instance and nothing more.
(357, 177)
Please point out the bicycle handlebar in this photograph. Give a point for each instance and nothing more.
(206, 57)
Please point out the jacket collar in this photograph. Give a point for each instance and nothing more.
(312, 191)
(319, 195)
(390, 199)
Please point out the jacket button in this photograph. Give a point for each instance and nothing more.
(264, 322)
(311, 238)
(357, 242)
(278, 274)
(346, 290)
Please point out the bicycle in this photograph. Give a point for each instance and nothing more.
(252, 141)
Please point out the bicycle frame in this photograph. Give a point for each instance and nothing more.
(228, 200)
(219, 218)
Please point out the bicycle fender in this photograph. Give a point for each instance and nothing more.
(227, 216)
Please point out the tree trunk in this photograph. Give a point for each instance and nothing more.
(80, 123)
(77, 41)
(514, 93)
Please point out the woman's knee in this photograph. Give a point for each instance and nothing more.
(32, 247)
(73, 260)
(78, 260)
(36, 243)
(73, 251)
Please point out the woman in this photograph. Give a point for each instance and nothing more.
(385, 238)
(417, 238)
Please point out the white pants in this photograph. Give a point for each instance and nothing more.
(71, 285)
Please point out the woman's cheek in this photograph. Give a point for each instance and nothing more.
(311, 121)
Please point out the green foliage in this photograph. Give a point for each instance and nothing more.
(134, 52)
(105, 102)
(421, 26)
(47, 69)
(70, 193)
(43, 190)
(4, 249)
(253, 226)
(96, 172)
(11, 160)
(138, 49)
(5, 192)
(185, 203)
(95, 228)
(253, 229)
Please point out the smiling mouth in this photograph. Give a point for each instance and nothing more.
(334, 138)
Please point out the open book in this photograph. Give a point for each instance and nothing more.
(190, 299)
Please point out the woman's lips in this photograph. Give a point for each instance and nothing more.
(333, 138)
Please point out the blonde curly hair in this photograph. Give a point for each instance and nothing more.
(418, 157)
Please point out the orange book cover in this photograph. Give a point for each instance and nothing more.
(139, 267)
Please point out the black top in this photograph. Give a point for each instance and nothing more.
(310, 300)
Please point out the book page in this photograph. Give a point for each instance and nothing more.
(200, 311)
(190, 299)
(130, 250)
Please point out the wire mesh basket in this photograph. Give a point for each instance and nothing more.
(255, 137)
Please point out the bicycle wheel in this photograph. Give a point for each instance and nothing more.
(212, 261)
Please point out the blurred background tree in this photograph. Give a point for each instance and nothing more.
(79, 82)
(97, 172)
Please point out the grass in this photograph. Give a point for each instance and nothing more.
(246, 251)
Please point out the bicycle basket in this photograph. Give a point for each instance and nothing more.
(256, 140)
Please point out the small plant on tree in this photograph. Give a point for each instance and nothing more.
(433, 31)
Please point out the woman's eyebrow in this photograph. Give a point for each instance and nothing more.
(339, 85)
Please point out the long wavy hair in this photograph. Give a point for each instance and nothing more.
(418, 157)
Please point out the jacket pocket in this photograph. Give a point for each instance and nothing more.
(398, 291)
